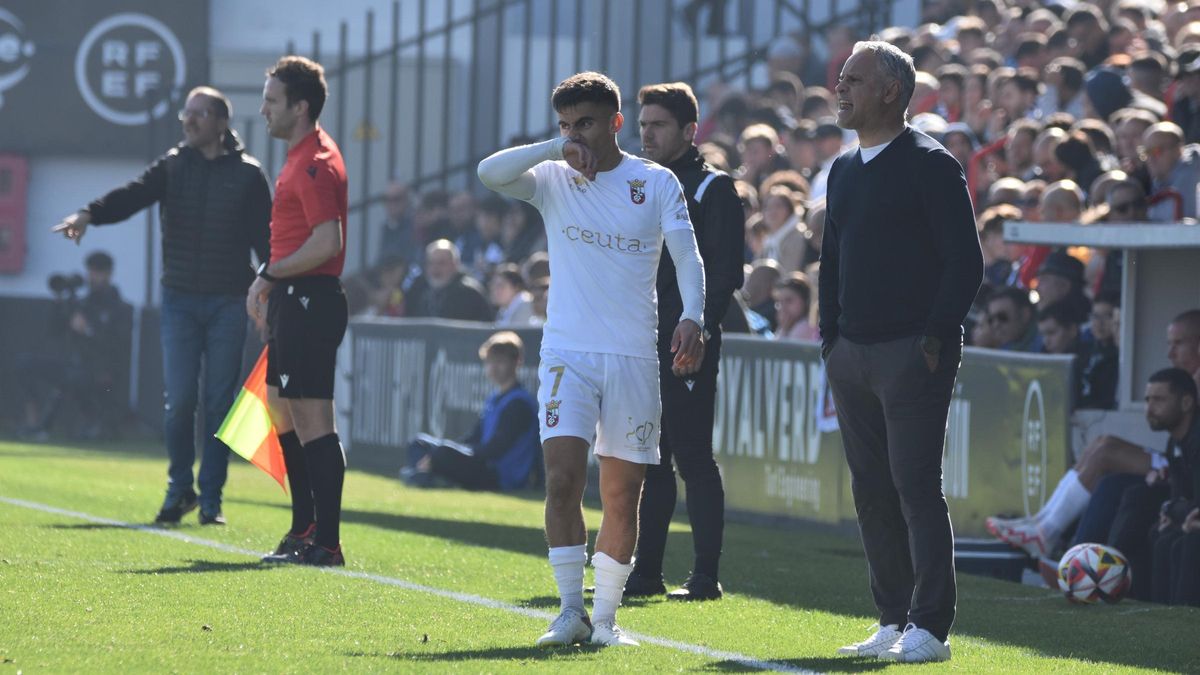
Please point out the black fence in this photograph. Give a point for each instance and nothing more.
(432, 86)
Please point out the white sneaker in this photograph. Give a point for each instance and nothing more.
(1025, 535)
(571, 626)
(880, 642)
(917, 645)
(609, 634)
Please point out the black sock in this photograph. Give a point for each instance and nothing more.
(654, 519)
(327, 465)
(301, 489)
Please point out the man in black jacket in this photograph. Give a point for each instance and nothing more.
(445, 291)
(900, 267)
(215, 206)
(668, 126)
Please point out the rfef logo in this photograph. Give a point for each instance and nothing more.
(127, 67)
(16, 52)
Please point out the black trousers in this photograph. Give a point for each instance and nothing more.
(465, 471)
(892, 412)
(1137, 516)
(688, 407)
(1176, 579)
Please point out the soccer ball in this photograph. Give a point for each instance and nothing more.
(1089, 573)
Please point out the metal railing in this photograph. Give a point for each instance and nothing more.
(437, 85)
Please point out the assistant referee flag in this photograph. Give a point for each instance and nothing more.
(248, 430)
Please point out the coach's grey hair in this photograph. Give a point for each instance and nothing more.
(893, 64)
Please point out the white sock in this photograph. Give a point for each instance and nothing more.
(568, 563)
(610, 586)
(1071, 505)
(1057, 495)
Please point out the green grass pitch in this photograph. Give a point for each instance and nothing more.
(452, 581)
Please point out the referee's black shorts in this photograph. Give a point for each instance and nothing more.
(306, 320)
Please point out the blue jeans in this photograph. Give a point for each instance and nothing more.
(210, 328)
(1097, 520)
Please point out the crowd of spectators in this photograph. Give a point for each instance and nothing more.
(1067, 112)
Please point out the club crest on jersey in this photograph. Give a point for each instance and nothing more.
(552, 413)
(637, 191)
(579, 183)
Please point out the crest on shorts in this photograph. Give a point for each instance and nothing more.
(579, 183)
(640, 435)
(637, 191)
(552, 413)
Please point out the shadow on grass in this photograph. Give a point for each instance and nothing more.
(495, 654)
(833, 664)
(825, 572)
(84, 527)
(194, 566)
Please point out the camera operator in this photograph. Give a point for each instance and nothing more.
(86, 343)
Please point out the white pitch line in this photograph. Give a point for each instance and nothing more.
(467, 598)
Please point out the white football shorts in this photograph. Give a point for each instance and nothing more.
(609, 400)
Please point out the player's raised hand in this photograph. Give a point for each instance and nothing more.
(74, 226)
(580, 158)
(687, 344)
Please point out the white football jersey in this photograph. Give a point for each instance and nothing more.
(604, 239)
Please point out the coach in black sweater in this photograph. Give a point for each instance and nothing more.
(900, 266)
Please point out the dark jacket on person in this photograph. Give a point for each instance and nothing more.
(506, 437)
(1183, 465)
(901, 254)
(1095, 370)
(719, 222)
(213, 212)
(463, 299)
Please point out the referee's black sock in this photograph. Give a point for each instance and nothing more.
(327, 467)
(298, 483)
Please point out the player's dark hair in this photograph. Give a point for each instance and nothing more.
(1060, 312)
(676, 97)
(798, 283)
(1108, 297)
(588, 87)
(303, 80)
(1178, 381)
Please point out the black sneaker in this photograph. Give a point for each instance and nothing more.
(173, 512)
(319, 556)
(290, 546)
(698, 587)
(211, 517)
(638, 586)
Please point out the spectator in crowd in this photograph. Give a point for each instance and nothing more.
(539, 289)
(489, 224)
(952, 79)
(1094, 372)
(1045, 162)
(1148, 73)
(999, 268)
(444, 291)
(400, 238)
(215, 208)
(1126, 203)
(385, 296)
(829, 146)
(1019, 95)
(1173, 167)
(1018, 150)
(814, 233)
(432, 217)
(761, 154)
(514, 304)
(793, 309)
(1010, 317)
(1106, 469)
(960, 141)
(461, 210)
(1105, 324)
(1006, 190)
(1064, 88)
(502, 451)
(784, 242)
(1129, 126)
(522, 233)
(801, 148)
(1077, 154)
(87, 340)
(760, 284)
(1185, 110)
(1060, 281)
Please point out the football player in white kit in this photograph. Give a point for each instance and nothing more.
(606, 214)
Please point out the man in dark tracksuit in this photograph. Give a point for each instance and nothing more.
(215, 206)
(668, 125)
(900, 267)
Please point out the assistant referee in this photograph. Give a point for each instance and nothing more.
(668, 127)
(300, 298)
